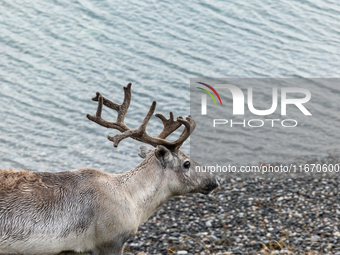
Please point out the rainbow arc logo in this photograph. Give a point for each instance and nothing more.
(209, 93)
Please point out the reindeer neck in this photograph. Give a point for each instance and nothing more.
(147, 187)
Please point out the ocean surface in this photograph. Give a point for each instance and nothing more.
(55, 55)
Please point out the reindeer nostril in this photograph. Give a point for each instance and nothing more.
(212, 185)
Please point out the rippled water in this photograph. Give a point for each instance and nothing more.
(56, 54)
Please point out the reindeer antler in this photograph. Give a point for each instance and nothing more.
(170, 125)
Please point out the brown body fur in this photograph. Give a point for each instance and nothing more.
(15, 179)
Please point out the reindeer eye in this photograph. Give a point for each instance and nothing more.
(186, 164)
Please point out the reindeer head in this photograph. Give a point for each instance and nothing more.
(178, 168)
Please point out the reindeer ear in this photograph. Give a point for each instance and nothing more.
(144, 150)
(163, 155)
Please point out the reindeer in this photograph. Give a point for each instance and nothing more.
(86, 210)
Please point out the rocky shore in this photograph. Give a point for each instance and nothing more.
(292, 214)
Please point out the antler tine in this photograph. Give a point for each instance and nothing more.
(107, 102)
(138, 133)
(190, 126)
(121, 109)
(141, 135)
(170, 125)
